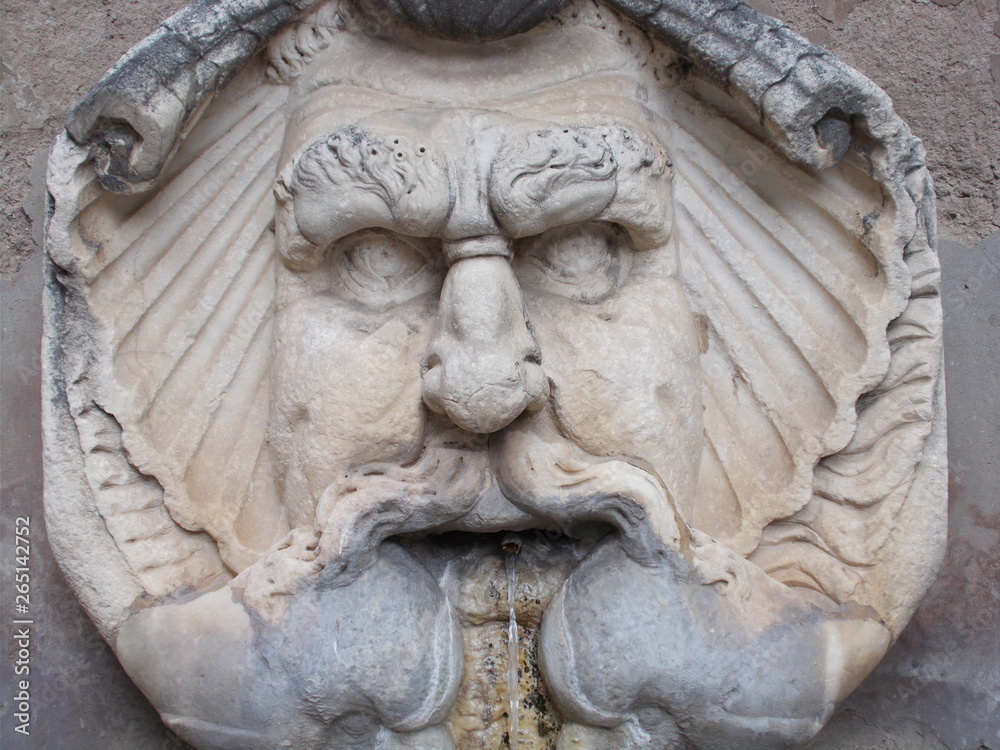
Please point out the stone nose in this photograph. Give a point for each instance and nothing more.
(483, 364)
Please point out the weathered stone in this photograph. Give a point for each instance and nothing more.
(403, 309)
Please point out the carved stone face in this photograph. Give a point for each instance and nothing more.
(309, 421)
(471, 268)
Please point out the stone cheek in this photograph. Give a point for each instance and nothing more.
(345, 394)
(625, 383)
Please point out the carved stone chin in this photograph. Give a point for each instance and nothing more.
(576, 388)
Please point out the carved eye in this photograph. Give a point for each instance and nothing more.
(381, 269)
(585, 262)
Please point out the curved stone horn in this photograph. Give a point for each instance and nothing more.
(134, 115)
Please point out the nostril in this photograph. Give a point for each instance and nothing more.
(429, 363)
(432, 390)
(537, 387)
(533, 355)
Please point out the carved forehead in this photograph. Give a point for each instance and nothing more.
(539, 74)
(468, 103)
(457, 129)
(602, 99)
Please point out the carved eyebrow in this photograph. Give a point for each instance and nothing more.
(353, 179)
(554, 159)
(548, 177)
(555, 176)
(358, 157)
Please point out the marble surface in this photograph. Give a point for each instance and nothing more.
(845, 717)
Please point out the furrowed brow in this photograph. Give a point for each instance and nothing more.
(556, 176)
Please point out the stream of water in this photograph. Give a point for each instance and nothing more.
(513, 652)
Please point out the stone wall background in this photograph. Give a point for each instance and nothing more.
(939, 687)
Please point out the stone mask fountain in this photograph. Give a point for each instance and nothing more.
(439, 375)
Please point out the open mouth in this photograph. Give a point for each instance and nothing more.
(500, 564)
(528, 477)
(501, 525)
(500, 584)
(471, 569)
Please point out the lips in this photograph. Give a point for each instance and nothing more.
(526, 477)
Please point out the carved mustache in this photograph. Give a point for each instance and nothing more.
(538, 470)
(546, 475)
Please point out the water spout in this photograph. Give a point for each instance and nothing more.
(512, 548)
(511, 545)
